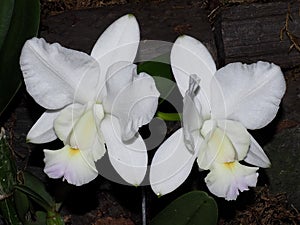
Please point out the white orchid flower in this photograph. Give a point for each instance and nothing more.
(91, 101)
(219, 107)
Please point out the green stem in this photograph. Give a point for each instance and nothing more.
(169, 116)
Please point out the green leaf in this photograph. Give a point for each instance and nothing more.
(158, 67)
(22, 204)
(161, 71)
(35, 197)
(35, 190)
(6, 11)
(38, 187)
(193, 208)
(24, 25)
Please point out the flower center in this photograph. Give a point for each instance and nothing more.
(85, 130)
(229, 165)
(207, 127)
(73, 151)
(219, 145)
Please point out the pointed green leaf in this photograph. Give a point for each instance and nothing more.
(24, 25)
(35, 197)
(6, 11)
(193, 208)
(22, 204)
(37, 186)
(35, 189)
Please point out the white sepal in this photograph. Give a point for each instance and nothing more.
(250, 94)
(56, 76)
(129, 158)
(256, 155)
(171, 164)
(42, 131)
(119, 42)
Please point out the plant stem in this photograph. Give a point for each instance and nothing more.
(169, 116)
(144, 213)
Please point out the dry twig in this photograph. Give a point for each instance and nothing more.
(293, 38)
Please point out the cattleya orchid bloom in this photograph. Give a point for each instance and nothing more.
(91, 101)
(219, 106)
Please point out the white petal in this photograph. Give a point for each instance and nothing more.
(128, 158)
(256, 155)
(208, 128)
(226, 180)
(56, 76)
(249, 94)
(98, 147)
(189, 56)
(76, 125)
(71, 164)
(216, 148)
(171, 164)
(85, 132)
(238, 135)
(134, 102)
(192, 119)
(118, 76)
(42, 131)
(66, 120)
(119, 42)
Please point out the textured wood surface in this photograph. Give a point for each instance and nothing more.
(252, 32)
(163, 21)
